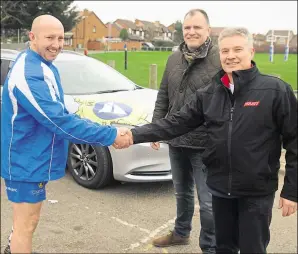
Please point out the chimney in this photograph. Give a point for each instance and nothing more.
(85, 12)
(138, 22)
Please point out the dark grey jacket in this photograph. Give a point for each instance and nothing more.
(179, 83)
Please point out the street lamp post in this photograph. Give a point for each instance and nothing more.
(125, 56)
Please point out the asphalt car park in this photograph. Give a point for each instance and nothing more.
(122, 218)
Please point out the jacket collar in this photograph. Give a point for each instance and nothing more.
(240, 78)
(36, 55)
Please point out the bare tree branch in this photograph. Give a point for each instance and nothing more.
(8, 7)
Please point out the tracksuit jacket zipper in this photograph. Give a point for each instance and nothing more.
(229, 148)
(232, 108)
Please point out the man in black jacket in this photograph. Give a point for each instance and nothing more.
(188, 69)
(249, 116)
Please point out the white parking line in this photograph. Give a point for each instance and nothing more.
(131, 225)
(152, 234)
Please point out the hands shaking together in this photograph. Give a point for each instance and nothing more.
(124, 138)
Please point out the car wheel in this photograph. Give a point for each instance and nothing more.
(90, 166)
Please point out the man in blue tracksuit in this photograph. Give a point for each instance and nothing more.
(36, 129)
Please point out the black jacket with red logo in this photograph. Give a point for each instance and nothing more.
(247, 130)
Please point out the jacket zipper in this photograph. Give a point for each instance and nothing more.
(232, 108)
(229, 148)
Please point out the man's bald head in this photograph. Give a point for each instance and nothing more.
(43, 22)
(47, 36)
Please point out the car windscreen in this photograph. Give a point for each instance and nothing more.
(86, 75)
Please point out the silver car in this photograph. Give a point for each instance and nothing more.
(95, 91)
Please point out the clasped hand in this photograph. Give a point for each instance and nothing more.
(124, 138)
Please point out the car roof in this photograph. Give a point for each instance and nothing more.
(64, 55)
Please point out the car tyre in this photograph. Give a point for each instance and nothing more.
(81, 157)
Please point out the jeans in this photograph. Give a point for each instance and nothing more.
(242, 223)
(188, 170)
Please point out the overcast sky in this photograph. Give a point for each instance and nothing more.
(257, 16)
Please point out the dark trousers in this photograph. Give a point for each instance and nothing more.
(188, 171)
(242, 223)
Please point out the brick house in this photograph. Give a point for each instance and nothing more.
(134, 33)
(293, 44)
(215, 31)
(90, 28)
(171, 27)
(154, 30)
(113, 30)
(172, 30)
(259, 39)
(280, 36)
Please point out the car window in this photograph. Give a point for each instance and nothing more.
(5, 64)
(88, 75)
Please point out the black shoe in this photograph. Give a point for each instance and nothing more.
(7, 250)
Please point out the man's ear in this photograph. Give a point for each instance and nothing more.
(31, 36)
(253, 51)
(209, 31)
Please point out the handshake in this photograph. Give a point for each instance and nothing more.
(124, 138)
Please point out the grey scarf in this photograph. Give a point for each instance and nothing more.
(200, 52)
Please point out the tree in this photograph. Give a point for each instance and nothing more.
(178, 33)
(20, 14)
(13, 14)
(123, 34)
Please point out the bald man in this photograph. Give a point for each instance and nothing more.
(36, 129)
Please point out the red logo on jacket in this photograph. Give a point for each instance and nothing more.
(251, 103)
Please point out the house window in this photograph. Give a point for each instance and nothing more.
(282, 41)
(94, 29)
(270, 38)
(68, 41)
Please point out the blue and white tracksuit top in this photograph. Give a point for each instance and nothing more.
(36, 127)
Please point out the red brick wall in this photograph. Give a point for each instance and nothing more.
(95, 45)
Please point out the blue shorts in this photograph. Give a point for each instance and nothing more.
(25, 192)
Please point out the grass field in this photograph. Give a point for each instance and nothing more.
(139, 62)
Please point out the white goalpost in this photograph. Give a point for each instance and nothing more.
(271, 49)
(286, 57)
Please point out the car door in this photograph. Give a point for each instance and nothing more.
(5, 67)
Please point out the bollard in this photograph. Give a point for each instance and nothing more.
(153, 76)
(111, 63)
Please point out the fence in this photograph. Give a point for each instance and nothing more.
(14, 36)
(157, 49)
